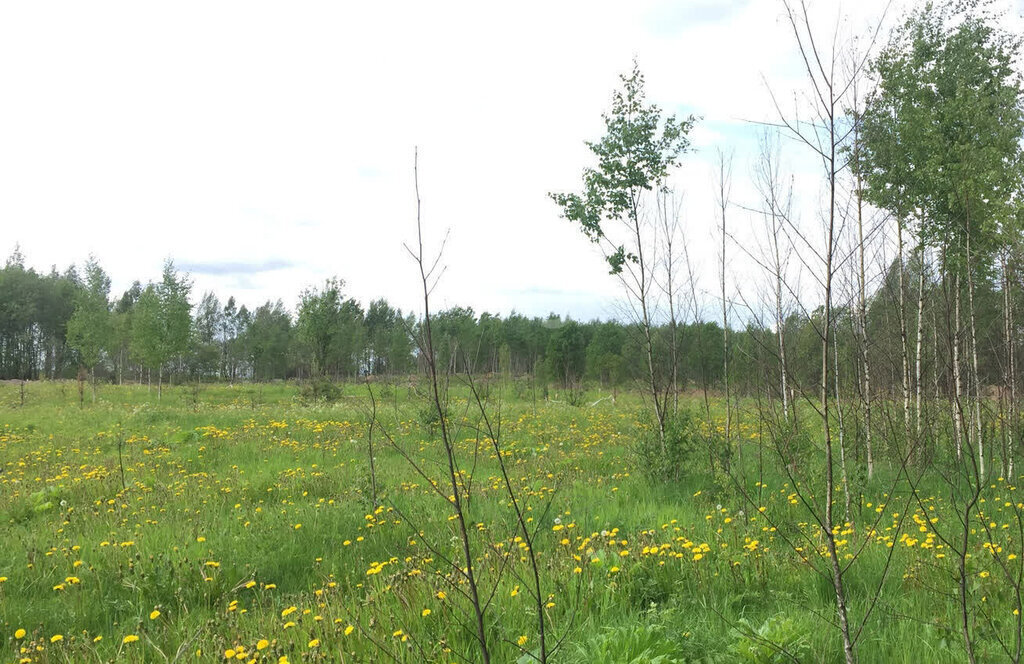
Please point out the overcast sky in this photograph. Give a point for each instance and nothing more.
(266, 146)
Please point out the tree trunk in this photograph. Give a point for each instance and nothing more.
(1010, 386)
(723, 202)
(862, 324)
(935, 356)
(837, 569)
(779, 321)
(920, 338)
(659, 410)
(670, 220)
(957, 378)
(974, 360)
(904, 347)
(842, 434)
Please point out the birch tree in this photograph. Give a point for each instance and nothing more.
(634, 160)
(90, 328)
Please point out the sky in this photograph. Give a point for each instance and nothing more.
(267, 146)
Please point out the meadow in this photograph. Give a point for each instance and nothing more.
(237, 523)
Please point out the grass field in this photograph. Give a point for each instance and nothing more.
(246, 531)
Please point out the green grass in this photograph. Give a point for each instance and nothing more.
(249, 502)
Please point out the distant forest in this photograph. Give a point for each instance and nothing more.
(67, 325)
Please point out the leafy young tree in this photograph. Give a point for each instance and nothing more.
(238, 350)
(319, 323)
(388, 344)
(175, 311)
(401, 344)
(567, 353)
(227, 335)
(206, 326)
(147, 331)
(634, 159)
(379, 320)
(20, 295)
(349, 356)
(604, 352)
(55, 306)
(162, 324)
(267, 339)
(122, 326)
(457, 339)
(90, 330)
(489, 342)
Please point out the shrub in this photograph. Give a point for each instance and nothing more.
(319, 390)
(683, 441)
(385, 391)
(429, 418)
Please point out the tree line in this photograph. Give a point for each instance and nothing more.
(67, 324)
